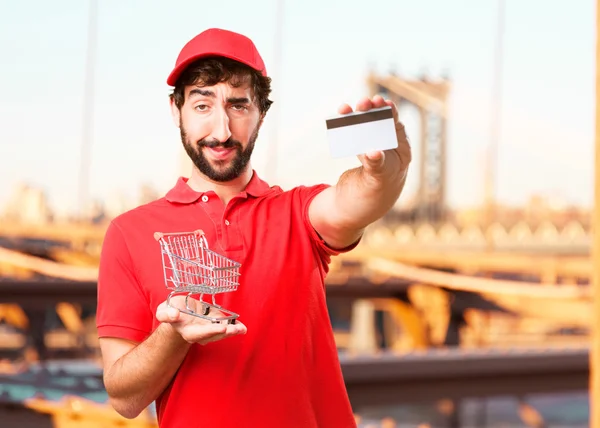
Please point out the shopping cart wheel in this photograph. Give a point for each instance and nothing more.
(206, 310)
(231, 321)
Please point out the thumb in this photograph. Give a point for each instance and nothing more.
(373, 162)
(167, 314)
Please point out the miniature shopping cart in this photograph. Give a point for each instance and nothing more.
(191, 268)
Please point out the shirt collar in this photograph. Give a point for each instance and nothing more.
(181, 193)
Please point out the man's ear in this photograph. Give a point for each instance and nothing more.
(175, 113)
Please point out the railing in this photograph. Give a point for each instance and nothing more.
(573, 236)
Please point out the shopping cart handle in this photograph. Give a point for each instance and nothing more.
(159, 235)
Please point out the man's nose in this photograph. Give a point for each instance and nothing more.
(220, 129)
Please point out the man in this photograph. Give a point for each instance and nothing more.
(277, 366)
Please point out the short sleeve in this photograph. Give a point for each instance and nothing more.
(123, 310)
(307, 194)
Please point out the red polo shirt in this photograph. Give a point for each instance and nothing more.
(285, 371)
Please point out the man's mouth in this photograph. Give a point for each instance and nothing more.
(220, 152)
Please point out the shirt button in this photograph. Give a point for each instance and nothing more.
(204, 198)
(226, 222)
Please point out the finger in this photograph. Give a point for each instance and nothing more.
(344, 109)
(394, 109)
(373, 162)
(196, 333)
(364, 104)
(379, 102)
(167, 314)
(237, 328)
(232, 330)
(211, 339)
(206, 333)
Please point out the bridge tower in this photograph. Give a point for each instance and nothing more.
(430, 98)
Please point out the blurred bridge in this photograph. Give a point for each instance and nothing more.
(571, 238)
(403, 288)
(430, 98)
(421, 313)
(545, 237)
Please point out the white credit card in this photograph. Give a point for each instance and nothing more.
(361, 132)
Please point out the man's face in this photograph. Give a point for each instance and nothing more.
(219, 125)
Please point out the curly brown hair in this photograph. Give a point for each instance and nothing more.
(210, 71)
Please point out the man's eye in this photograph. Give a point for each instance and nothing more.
(239, 107)
(201, 107)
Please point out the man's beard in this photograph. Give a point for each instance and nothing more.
(221, 173)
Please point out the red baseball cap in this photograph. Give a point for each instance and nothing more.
(217, 42)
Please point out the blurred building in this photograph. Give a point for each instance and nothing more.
(28, 204)
(117, 203)
(147, 193)
(539, 209)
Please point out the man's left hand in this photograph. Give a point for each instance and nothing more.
(388, 164)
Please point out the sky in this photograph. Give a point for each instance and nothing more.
(328, 46)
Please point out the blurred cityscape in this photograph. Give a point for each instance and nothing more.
(443, 316)
(29, 204)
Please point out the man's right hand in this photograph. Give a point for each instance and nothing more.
(195, 329)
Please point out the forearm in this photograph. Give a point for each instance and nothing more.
(360, 199)
(136, 379)
(341, 213)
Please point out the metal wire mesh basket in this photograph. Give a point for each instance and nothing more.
(191, 268)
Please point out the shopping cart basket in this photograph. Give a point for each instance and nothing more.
(191, 268)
